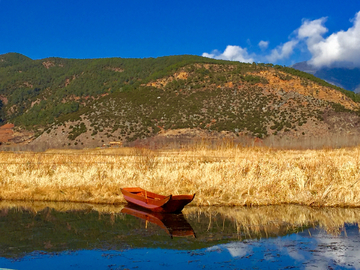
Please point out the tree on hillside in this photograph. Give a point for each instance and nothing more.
(2, 114)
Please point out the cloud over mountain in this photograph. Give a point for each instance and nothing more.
(340, 48)
(282, 51)
(232, 53)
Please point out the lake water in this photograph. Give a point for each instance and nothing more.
(83, 236)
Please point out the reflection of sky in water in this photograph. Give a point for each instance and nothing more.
(302, 251)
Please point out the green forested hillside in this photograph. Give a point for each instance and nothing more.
(127, 99)
(64, 84)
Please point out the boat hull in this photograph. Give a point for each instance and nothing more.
(155, 202)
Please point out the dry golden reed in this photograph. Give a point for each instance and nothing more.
(225, 176)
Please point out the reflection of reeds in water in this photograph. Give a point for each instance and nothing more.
(225, 176)
(35, 207)
(249, 222)
(274, 220)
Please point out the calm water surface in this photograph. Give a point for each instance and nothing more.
(81, 236)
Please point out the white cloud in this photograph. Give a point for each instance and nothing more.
(209, 55)
(312, 29)
(232, 53)
(282, 52)
(341, 48)
(263, 44)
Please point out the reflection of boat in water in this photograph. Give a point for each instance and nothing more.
(155, 202)
(174, 224)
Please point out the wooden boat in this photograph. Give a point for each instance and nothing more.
(156, 202)
(174, 224)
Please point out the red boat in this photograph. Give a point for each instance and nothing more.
(155, 202)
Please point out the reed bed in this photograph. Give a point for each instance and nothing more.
(226, 176)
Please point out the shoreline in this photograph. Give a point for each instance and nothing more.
(124, 203)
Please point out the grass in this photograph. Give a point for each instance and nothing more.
(226, 176)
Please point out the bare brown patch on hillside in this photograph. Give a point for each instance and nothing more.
(35, 102)
(7, 126)
(184, 74)
(6, 133)
(116, 69)
(4, 100)
(27, 84)
(69, 80)
(160, 83)
(12, 109)
(215, 67)
(229, 84)
(344, 122)
(9, 135)
(307, 88)
(48, 64)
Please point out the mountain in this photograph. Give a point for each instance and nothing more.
(89, 102)
(347, 78)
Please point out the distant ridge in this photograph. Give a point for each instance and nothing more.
(347, 78)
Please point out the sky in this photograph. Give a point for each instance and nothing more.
(281, 32)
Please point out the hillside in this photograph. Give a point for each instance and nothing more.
(90, 102)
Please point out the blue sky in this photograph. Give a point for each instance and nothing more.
(138, 29)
